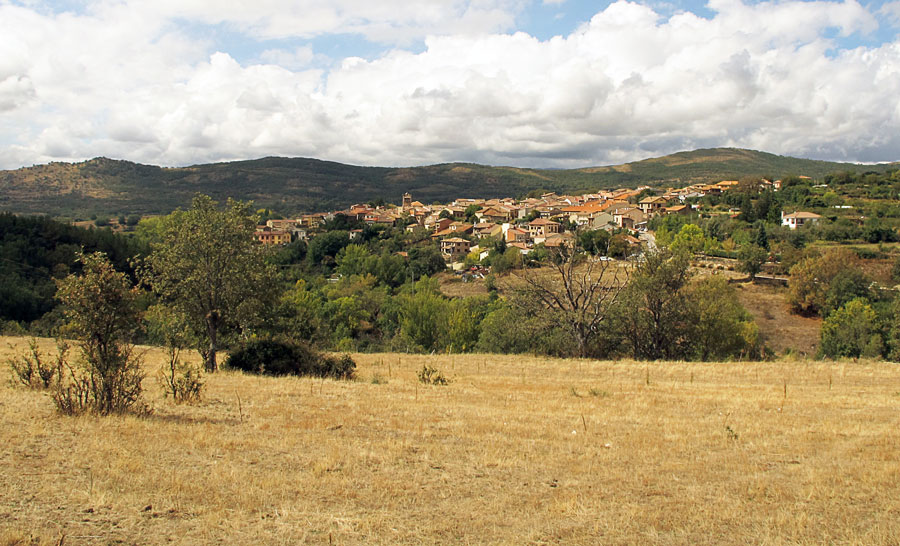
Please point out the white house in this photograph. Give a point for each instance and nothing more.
(797, 219)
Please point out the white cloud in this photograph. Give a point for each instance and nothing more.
(387, 21)
(891, 11)
(124, 81)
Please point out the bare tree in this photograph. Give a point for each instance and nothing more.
(578, 292)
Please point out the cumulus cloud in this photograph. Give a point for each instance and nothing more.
(125, 81)
(387, 21)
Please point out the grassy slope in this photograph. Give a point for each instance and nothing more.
(294, 185)
(515, 450)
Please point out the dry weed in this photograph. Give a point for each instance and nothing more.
(712, 453)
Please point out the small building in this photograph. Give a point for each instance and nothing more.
(541, 228)
(650, 205)
(455, 249)
(799, 218)
(628, 217)
(516, 235)
(677, 209)
(269, 236)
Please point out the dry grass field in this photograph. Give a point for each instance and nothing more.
(513, 451)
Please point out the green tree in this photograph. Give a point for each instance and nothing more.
(594, 241)
(209, 267)
(751, 259)
(847, 285)
(102, 314)
(423, 313)
(471, 210)
(324, 248)
(722, 327)
(762, 238)
(851, 331)
(811, 279)
(355, 260)
(654, 313)
(689, 238)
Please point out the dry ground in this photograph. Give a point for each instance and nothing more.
(514, 450)
(780, 329)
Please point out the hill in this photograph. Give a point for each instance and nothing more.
(291, 185)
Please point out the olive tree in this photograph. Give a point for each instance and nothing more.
(209, 267)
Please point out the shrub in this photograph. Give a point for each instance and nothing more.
(339, 367)
(432, 376)
(34, 371)
(851, 331)
(102, 314)
(271, 357)
(180, 380)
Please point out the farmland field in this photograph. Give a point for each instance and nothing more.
(514, 450)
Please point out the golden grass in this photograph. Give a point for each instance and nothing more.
(515, 450)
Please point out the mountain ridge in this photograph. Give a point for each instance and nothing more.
(104, 186)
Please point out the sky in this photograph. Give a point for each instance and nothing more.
(531, 83)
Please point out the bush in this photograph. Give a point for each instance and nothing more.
(271, 357)
(34, 371)
(432, 376)
(180, 380)
(851, 331)
(103, 316)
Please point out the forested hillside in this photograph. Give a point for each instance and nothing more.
(291, 185)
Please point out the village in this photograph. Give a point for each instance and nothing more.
(523, 224)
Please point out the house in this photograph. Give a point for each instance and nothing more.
(516, 235)
(440, 224)
(523, 247)
(541, 228)
(314, 221)
(455, 249)
(800, 218)
(677, 209)
(628, 217)
(558, 240)
(454, 228)
(487, 229)
(497, 214)
(600, 220)
(651, 205)
(269, 236)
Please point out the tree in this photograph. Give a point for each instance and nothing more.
(722, 328)
(689, 238)
(100, 306)
(326, 245)
(847, 285)
(355, 260)
(654, 313)
(423, 316)
(762, 238)
(851, 331)
(751, 259)
(578, 293)
(811, 279)
(209, 267)
(471, 212)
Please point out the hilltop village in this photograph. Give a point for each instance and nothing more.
(547, 219)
